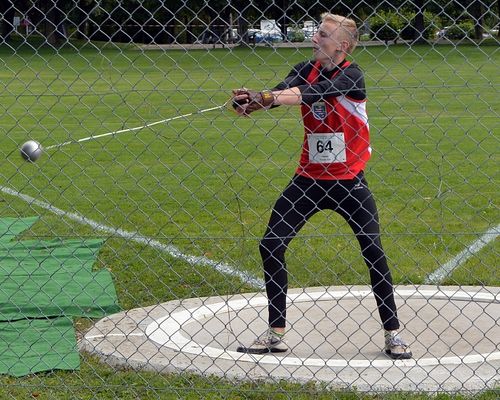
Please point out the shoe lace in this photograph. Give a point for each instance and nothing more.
(396, 340)
(268, 337)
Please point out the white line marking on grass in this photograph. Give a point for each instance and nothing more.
(138, 238)
(445, 270)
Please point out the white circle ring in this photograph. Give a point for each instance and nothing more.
(166, 331)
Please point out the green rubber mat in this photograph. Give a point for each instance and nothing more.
(43, 284)
(34, 345)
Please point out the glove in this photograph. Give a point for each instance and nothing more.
(247, 101)
(240, 98)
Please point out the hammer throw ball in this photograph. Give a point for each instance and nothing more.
(31, 151)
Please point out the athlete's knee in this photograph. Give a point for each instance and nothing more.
(272, 248)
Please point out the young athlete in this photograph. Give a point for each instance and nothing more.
(331, 93)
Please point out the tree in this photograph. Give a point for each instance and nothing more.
(419, 25)
(54, 28)
(498, 15)
(7, 13)
(81, 18)
(164, 21)
(476, 11)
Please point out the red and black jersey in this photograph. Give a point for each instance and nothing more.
(336, 131)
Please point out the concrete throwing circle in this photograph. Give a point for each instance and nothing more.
(334, 336)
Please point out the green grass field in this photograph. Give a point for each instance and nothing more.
(206, 184)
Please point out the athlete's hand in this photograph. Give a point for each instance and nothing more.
(240, 100)
(247, 101)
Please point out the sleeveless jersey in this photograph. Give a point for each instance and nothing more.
(337, 136)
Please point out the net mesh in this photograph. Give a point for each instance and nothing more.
(130, 102)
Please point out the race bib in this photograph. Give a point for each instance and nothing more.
(326, 148)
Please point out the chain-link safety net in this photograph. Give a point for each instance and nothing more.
(249, 199)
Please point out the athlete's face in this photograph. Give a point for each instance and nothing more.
(329, 43)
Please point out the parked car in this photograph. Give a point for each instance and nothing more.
(309, 29)
(269, 32)
(442, 32)
(258, 36)
(294, 34)
(216, 35)
(493, 32)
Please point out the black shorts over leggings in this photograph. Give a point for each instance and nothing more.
(300, 200)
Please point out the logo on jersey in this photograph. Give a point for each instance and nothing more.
(319, 110)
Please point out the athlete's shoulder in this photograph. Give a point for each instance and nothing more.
(354, 73)
(353, 68)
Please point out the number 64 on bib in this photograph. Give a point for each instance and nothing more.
(326, 148)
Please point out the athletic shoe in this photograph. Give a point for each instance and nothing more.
(270, 342)
(396, 347)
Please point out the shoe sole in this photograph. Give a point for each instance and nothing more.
(402, 356)
(248, 350)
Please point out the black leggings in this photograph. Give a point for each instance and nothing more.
(300, 200)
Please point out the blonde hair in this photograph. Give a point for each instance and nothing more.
(348, 26)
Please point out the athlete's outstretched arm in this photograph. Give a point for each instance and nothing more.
(287, 97)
